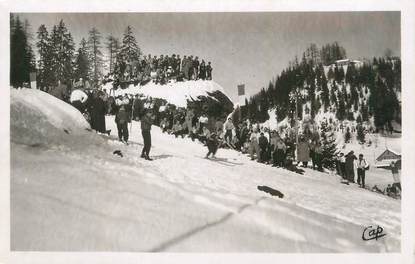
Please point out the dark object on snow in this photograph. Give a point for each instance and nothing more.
(271, 191)
(66, 131)
(118, 152)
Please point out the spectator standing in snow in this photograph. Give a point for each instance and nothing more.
(97, 111)
(253, 144)
(184, 67)
(78, 99)
(278, 147)
(189, 67)
(122, 120)
(195, 68)
(203, 121)
(349, 166)
(361, 168)
(395, 174)
(146, 122)
(228, 128)
(342, 160)
(208, 71)
(303, 151)
(263, 145)
(202, 70)
(188, 119)
(318, 156)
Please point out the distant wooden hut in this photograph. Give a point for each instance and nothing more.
(387, 157)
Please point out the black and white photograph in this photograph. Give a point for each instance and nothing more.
(206, 132)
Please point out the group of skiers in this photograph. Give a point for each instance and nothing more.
(161, 69)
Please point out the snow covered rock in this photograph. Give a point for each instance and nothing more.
(38, 118)
(178, 93)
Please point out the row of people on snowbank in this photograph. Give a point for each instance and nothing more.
(163, 69)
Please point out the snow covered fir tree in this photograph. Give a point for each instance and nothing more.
(120, 131)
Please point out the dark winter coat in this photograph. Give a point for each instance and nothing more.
(146, 122)
(350, 158)
(122, 116)
(138, 108)
(263, 142)
(97, 110)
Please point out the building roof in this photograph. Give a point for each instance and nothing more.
(389, 155)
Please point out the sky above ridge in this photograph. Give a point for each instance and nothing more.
(244, 48)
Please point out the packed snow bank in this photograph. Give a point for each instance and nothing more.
(174, 93)
(38, 118)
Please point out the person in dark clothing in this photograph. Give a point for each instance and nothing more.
(361, 168)
(122, 120)
(318, 156)
(208, 71)
(350, 158)
(137, 108)
(195, 68)
(263, 145)
(178, 65)
(212, 144)
(146, 122)
(97, 110)
(189, 67)
(202, 70)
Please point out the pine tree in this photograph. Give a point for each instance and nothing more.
(130, 50)
(360, 133)
(95, 55)
(20, 55)
(82, 63)
(325, 96)
(113, 46)
(328, 145)
(46, 73)
(63, 48)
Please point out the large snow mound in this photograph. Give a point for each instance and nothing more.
(38, 118)
(174, 93)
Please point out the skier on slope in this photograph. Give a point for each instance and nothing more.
(122, 119)
(212, 144)
(146, 122)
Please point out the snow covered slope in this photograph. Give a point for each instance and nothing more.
(176, 93)
(76, 195)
